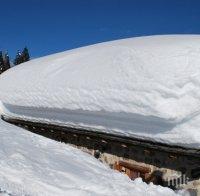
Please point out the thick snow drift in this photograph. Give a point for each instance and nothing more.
(147, 87)
(34, 165)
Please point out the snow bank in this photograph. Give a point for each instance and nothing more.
(34, 165)
(147, 87)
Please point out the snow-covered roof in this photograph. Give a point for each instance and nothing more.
(146, 87)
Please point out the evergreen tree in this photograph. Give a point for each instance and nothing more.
(1, 58)
(18, 58)
(25, 54)
(1, 62)
(6, 61)
(22, 57)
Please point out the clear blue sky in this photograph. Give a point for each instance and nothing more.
(49, 26)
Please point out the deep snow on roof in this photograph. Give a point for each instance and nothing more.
(147, 87)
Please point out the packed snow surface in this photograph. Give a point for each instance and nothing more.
(33, 165)
(146, 87)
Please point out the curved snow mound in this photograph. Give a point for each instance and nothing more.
(155, 75)
(148, 76)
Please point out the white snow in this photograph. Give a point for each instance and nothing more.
(33, 165)
(146, 87)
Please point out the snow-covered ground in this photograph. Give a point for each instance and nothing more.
(146, 87)
(33, 165)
